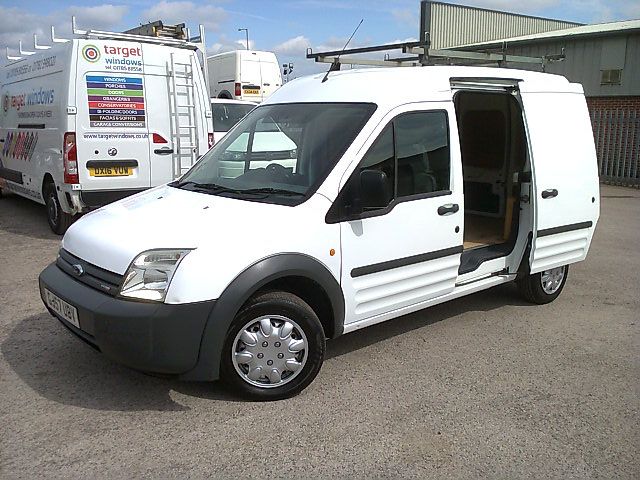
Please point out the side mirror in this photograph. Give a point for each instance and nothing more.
(369, 190)
(375, 190)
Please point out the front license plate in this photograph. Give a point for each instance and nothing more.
(110, 171)
(251, 91)
(62, 308)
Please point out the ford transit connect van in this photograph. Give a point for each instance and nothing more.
(383, 200)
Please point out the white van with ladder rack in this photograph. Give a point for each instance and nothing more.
(93, 119)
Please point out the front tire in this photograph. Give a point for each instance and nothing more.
(59, 220)
(544, 287)
(274, 348)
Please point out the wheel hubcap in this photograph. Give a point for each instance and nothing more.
(270, 351)
(552, 279)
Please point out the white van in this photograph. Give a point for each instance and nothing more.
(244, 75)
(90, 121)
(398, 199)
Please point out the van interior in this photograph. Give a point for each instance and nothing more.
(493, 148)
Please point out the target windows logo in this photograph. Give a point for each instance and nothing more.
(91, 53)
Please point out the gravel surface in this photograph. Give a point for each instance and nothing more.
(483, 386)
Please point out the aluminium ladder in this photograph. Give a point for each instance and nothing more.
(183, 119)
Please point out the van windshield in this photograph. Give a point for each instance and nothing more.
(226, 115)
(279, 153)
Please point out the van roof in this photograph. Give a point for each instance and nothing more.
(242, 52)
(398, 85)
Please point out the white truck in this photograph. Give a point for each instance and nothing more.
(244, 75)
(373, 208)
(92, 120)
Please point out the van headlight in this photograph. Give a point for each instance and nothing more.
(150, 274)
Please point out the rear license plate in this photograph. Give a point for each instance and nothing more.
(62, 308)
(251, 91)
(110, 171)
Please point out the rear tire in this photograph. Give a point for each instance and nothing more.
(59, 220)
(274, 348)
(544, 287)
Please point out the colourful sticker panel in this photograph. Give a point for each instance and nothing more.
(115, 101)
(19, 145)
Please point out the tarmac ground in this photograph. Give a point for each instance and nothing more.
(483, 386)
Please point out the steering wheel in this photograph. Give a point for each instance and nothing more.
(275, 169)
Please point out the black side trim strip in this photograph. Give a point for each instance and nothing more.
(111, 163)
(564, 228)
(11, 175)
(403, 262)
(35, 126)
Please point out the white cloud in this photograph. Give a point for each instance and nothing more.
(225, 44)
(209, 15)
(23, 23)
(407, 16)
(294, 46)
(99, 17)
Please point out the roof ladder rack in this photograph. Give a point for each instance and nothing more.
(421, 55)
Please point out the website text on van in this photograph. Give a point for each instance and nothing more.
(90, 121)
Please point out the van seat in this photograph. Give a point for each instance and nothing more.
(414, 176)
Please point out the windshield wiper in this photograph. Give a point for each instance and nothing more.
(207, 187)
(270, 190)
(215, 188)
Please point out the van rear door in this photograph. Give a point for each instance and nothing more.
(565, 176)
(270, 75)
(180, 114)
(250, 77)
(112, 131)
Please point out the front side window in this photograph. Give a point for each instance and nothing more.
(413, 153)
(422, 153)
(279, 153)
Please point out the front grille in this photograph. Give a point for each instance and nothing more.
(87, 273)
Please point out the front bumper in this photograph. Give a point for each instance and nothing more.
(152, 337)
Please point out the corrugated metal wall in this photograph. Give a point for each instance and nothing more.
(583, 63)
(453, 25)
(614, 109)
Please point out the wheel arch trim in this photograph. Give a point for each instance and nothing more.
(251, 280)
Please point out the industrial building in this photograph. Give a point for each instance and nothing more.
(604, 58)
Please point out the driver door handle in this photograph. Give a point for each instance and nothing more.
(448, 209)
(550, 193)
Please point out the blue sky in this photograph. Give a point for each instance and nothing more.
(287, 27)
